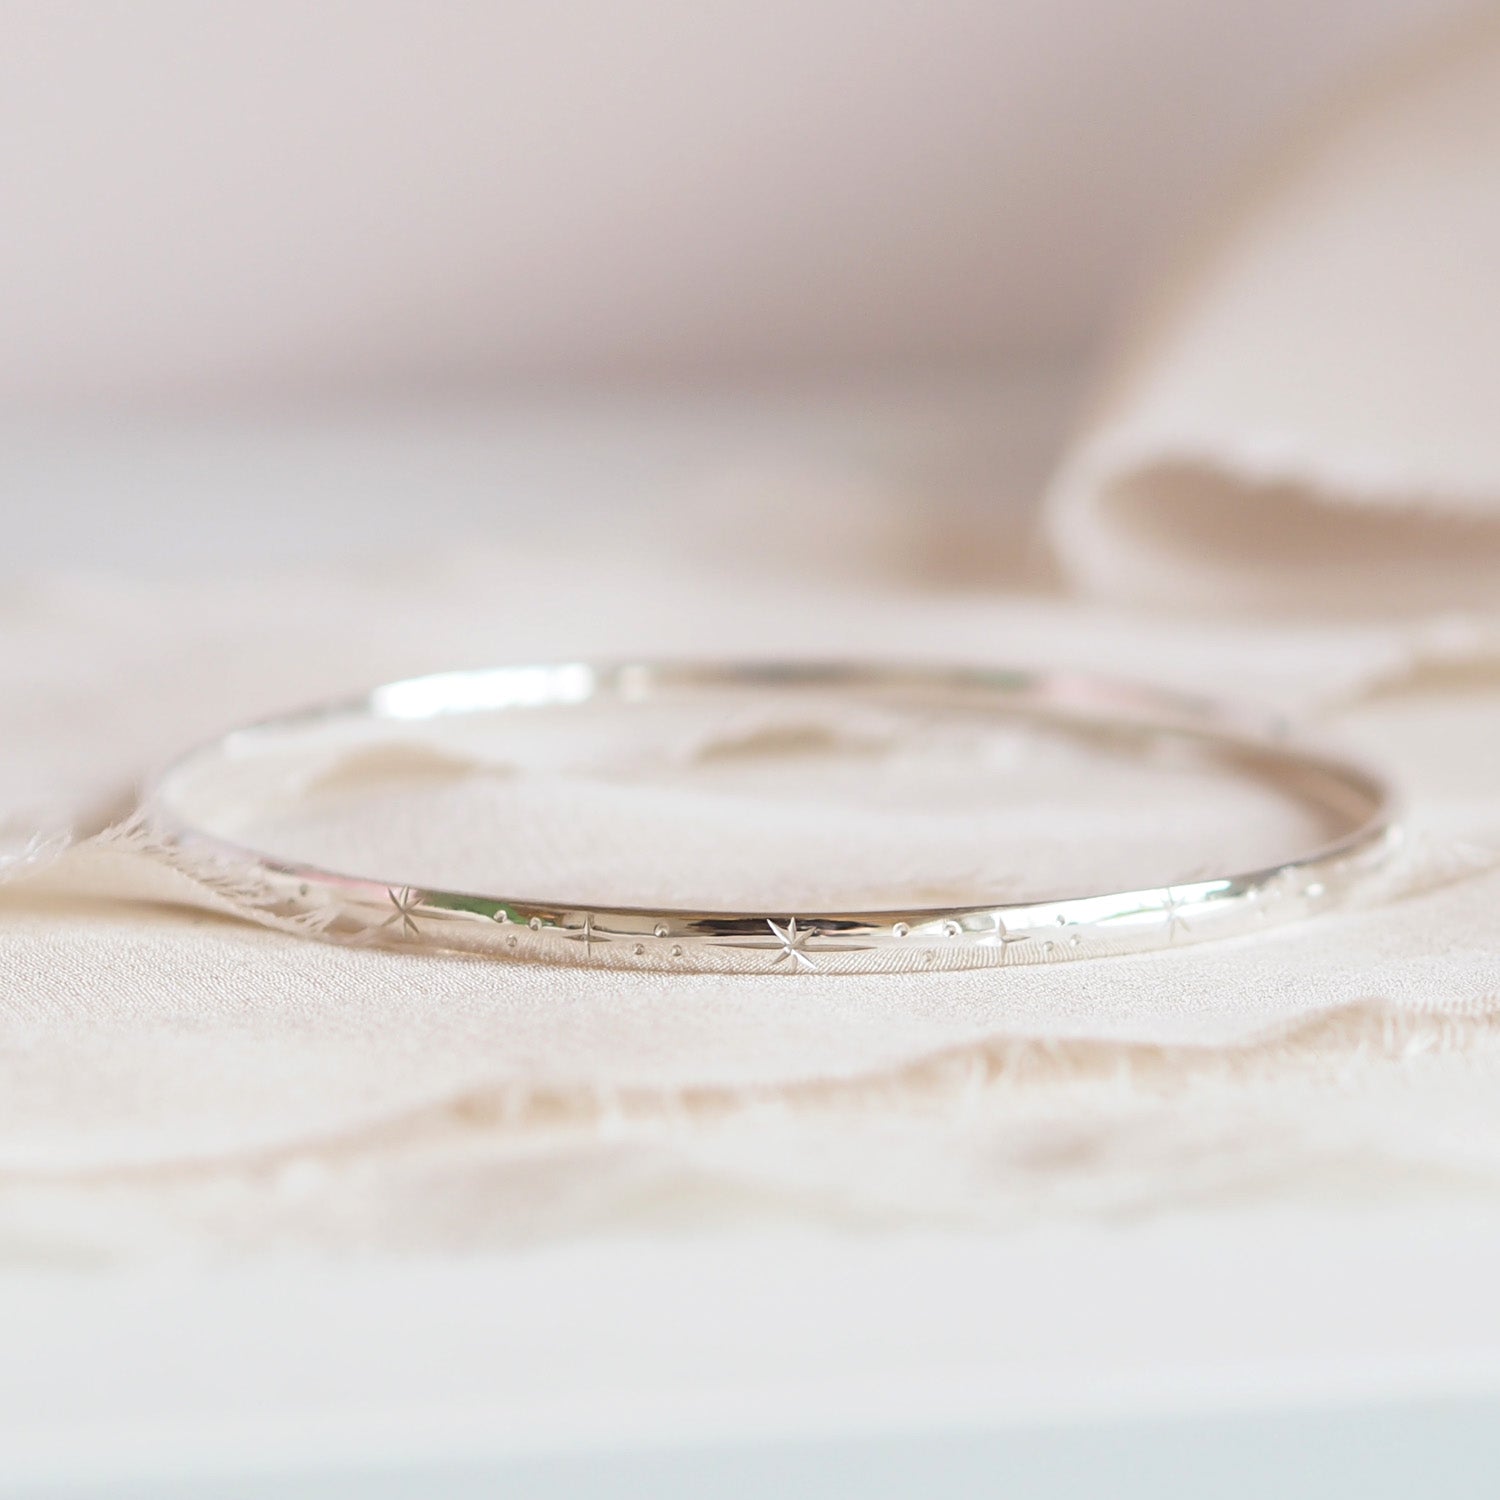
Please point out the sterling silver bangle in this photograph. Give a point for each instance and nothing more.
(359, 908)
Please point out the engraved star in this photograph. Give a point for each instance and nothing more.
(584, 934)
(1004, 936)
(406, 903)
(1171, 909)
(793, 941)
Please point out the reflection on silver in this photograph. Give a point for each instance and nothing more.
(983, 933)
(405, 903)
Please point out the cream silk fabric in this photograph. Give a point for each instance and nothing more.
(1305, 431)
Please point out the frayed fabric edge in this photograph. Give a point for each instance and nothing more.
(1328, 1049)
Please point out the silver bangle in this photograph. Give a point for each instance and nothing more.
(357, 908)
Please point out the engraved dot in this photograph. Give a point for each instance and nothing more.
(660, 929)
(302, 889)
(951, 928)
(1074, 940)
(639, 949)
(676, 950)
(511, 941)
(901, 930)
(535, 924)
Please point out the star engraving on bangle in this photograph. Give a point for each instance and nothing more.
(584, 934)
(1171, 910)
(1005, 937)
(793, 940)
(406, 903)
(998, 935)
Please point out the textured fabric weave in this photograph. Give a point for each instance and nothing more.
(1304, 434)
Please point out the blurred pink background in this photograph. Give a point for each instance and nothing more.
(255, 200)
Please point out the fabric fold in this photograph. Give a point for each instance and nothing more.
(1306, 422)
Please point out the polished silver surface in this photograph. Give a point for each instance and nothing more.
(356, 907)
